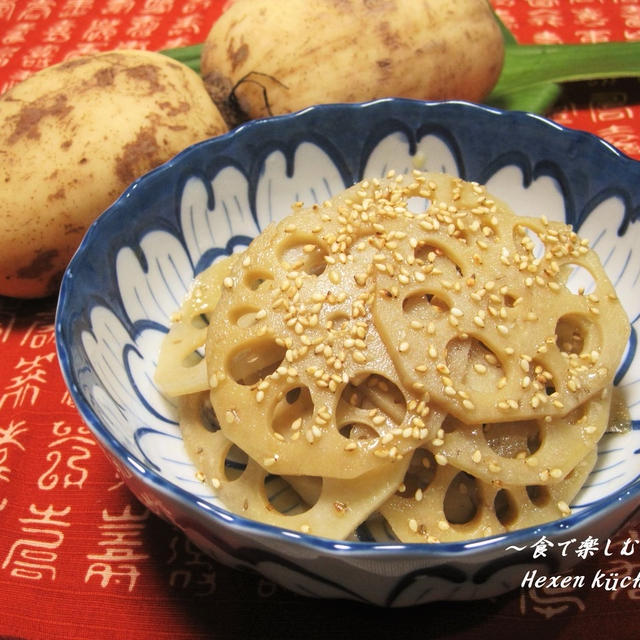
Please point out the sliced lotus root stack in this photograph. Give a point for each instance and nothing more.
(469, 275)
(527, 452)
(307, 387)
(439, 503)
(326, 507)
(409, 319)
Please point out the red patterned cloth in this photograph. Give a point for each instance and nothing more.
(79, 555)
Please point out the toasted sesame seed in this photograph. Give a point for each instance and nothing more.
(441, 459)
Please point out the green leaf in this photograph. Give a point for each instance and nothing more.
(529, 66)
(538, 99)
(189, 56)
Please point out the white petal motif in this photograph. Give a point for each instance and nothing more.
(315, 178)
(111, 350)
(393, 153)
(619, 255)
(152, 285)
(207, 228)
(542, 197)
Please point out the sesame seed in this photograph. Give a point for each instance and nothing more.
(441, 459)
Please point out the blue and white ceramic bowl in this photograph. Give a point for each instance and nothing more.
(137, 260)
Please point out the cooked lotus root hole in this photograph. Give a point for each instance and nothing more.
(200, 321)
(423, 306)
(255, 360)
(575, 334)
(359, 432)
(538, 494)
(292, 412)
(474, 364)
(429, 254)
(208, 417)
(337, 320)
(256, 278)
(243, 317)
(421, 472)
(505, 507)
(577, 279)
(235, 463)
(540, 377)
(283, 498)
(461, 499)
(304, 255)
(513, 439)
(577, 416)
(416, 204)
(192, 359)
(451, 424)
(374, 392)
(508, 301)
(529, 240)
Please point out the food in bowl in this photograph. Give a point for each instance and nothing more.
(410, 350)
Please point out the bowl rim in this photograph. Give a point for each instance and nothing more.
(140, 468)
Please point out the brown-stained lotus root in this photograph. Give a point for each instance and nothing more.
(541, 451)
(456, 506)
(502, 292)
(318, 313)
(409, 351)
(327, 507)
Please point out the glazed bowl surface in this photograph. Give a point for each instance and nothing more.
(136, 262)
